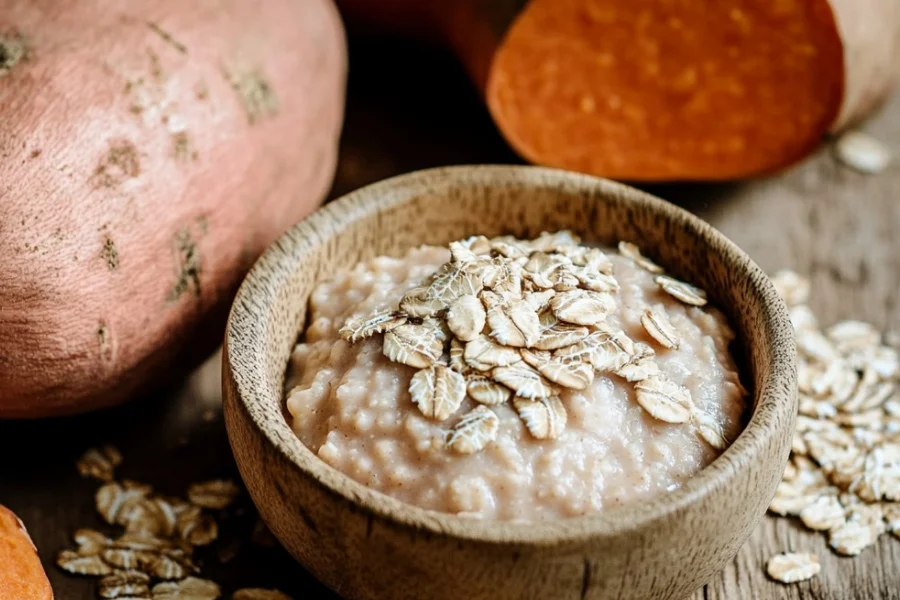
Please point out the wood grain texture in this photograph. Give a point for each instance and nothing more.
(820, 218)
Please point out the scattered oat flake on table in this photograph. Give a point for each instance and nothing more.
(90, 541)
(113, 497)
(862, 152)
(852, 537)
(77, 564)
(140, 541)
(124, 583)
(215, 494)
(167, 568)
(791, 567)
(99, 464)
(793, 288)
(197, 528)
(158, 543)
(191, 588)
(824, 514)
(844, 474)
(144, 515)
(124, 558)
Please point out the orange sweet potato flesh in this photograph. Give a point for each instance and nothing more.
(662, 91)
(667, 90)
(21, 575)
(149, 151)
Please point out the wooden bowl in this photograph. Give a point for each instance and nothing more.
(366, 545)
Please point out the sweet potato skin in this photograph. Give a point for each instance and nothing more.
(21, 575)
(870, 34)
(148, 153)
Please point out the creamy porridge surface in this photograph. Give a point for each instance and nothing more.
(351, 405)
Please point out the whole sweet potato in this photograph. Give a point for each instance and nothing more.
(149, 151)
(21, 575)
(677, 90)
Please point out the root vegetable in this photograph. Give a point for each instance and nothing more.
(21, 575)
(678, 90)
(149, 151)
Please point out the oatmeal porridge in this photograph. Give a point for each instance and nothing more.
(515, 380)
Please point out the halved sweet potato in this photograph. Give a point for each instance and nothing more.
(21, 575)
(673, 90)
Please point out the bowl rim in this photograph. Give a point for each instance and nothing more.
(268, 272)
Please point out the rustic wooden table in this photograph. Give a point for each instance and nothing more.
(410, 109)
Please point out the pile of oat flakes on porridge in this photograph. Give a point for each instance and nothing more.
(512, 379)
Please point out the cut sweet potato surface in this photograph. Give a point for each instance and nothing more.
(21, 575)
(676, 90)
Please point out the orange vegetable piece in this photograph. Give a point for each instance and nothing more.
(21, 575)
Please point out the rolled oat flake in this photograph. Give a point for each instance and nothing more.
(791, 567)
(862, 152)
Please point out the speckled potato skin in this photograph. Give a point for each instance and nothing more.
(149, 151)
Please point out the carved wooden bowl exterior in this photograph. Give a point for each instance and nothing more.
(366, 545)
